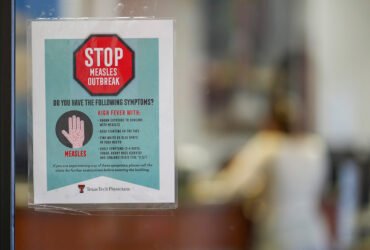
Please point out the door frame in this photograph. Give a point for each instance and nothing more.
(7, 124)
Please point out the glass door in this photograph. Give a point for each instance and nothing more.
(271, 128)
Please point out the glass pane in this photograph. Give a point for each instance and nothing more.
(271, 129)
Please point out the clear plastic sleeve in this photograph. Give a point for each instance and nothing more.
(101, 120)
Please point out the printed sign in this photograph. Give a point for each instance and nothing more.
(104, 64)
(102, 110)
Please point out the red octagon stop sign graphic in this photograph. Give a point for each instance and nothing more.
(104, 64)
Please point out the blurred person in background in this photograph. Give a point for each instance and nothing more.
(285, 166)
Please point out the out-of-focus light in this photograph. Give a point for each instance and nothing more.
(192, 157)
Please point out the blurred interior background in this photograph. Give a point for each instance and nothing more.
(272, 128)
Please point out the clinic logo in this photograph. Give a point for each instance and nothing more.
(81, 187)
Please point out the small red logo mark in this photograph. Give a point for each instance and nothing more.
(81, 187)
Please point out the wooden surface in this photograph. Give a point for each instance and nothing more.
(206, 227)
